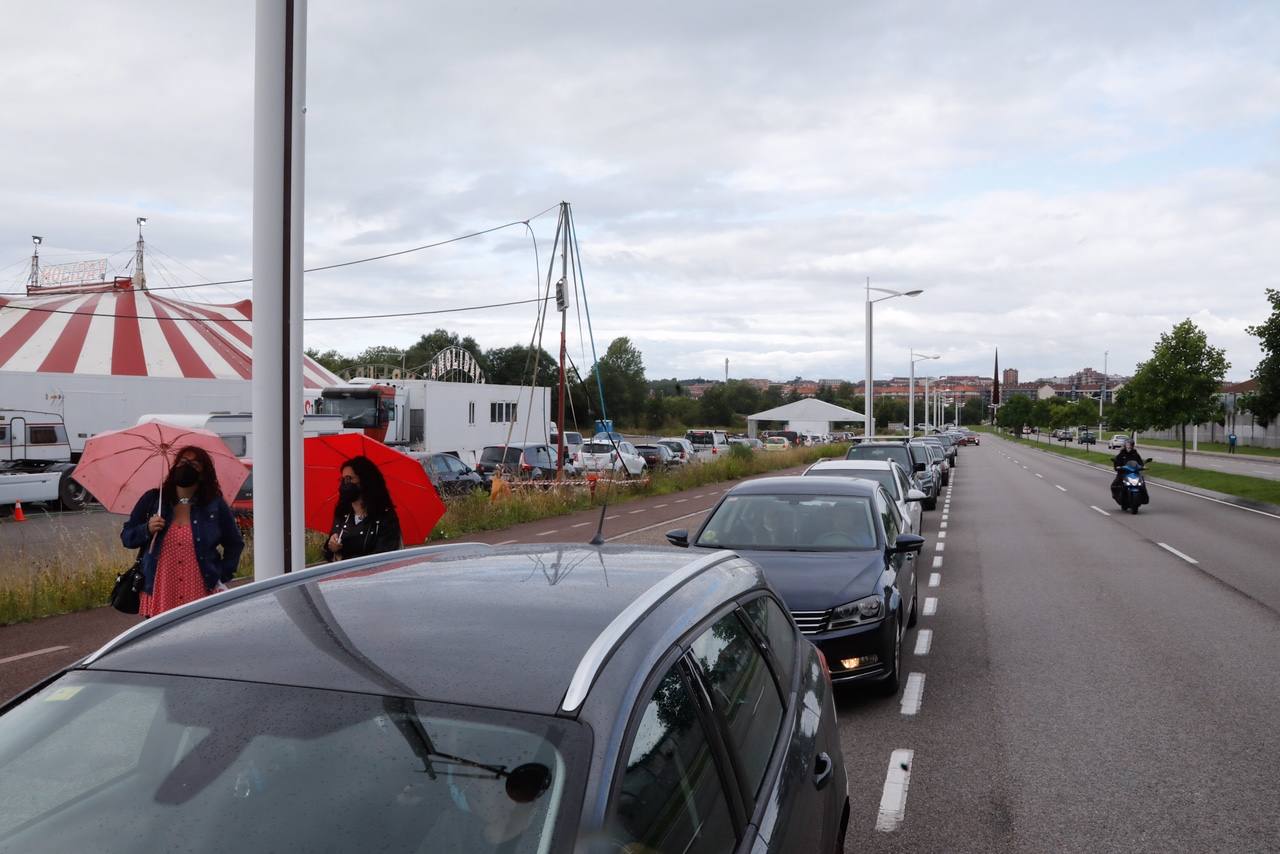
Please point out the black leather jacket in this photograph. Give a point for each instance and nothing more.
(369, 535)
(1125, 456)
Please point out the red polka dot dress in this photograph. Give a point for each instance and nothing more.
(178, 579)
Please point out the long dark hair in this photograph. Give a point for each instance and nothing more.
(207, 488)
(373, 488)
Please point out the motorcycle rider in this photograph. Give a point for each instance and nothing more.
(1127, 455)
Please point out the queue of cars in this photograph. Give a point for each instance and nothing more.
(688, 705)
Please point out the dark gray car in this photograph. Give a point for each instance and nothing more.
(448, 698)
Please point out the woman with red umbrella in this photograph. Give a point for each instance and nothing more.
(365, 520)
(192, 541)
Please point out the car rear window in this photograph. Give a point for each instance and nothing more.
(212, 765)
(701, 437)
(819, 523)
(884, 477)
(897, 453)
(597, 448)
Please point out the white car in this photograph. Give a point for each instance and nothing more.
(711, 445)
(682, 448)
(885, 472)
(603, 456)
(1117, 442)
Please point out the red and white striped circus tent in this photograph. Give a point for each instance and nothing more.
(118, 331)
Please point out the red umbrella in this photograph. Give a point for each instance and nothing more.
(118, 466)
(417, 504)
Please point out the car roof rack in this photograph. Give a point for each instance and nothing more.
(205, 603)
(597, 655)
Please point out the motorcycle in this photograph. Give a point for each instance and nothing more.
(1131, 492)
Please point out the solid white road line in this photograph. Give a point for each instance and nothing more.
(893, 801)
(545, 533)
(937, 562)
(1099, 509)
(924, 640)
(930, 606)
(31, 654)
(935, 578)
(913, 694)
(1170, 548)
(1060, 488)
(505, 543)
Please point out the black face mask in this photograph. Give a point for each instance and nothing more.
(186, 475)
(348, 491)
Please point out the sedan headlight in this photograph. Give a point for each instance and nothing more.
(868, 609)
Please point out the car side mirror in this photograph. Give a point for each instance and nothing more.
(678, 537)
(907, 544)
(914, 494)
(919, 466)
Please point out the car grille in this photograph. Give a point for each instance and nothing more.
(811, 622)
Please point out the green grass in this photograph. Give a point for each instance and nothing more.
(1219, 447)
(1241, 486)
(80, 578)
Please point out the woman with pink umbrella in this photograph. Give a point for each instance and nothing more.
(192, 541)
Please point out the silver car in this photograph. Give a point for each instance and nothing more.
(885, 472)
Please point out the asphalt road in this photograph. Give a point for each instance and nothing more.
(1267, 467)
(1091, 682)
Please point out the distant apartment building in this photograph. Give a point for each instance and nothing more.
(1009, 377)
(697, 390)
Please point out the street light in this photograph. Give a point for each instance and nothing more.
(869, 422)
(911, 391)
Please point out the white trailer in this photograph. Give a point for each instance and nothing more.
(236, 428)
(35, 461)
(459, 418)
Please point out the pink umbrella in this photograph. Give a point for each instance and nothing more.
(119, 466)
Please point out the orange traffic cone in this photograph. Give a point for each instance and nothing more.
(18, 515)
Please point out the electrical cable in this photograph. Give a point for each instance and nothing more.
(524, 222)
(454, 310)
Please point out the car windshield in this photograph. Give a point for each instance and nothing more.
(820, 523)
(884, 477)
(109, 762)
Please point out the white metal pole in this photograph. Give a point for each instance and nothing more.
(869, 423)
(926, 406)
(278, 181)
(911, 398)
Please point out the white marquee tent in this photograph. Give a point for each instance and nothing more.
(809, 415)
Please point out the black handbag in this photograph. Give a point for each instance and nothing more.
(126, 593)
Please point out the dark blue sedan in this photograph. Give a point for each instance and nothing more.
(838, 552)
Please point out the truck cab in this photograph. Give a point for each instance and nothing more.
(35, 461)
(374, 408)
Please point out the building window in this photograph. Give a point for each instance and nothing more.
(502, 413)
(471, 412)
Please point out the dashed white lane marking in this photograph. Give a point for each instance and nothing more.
(1039, 475)
(940, 547)
(580, 525)
(1060, 488)
(943, 524)
(656, 525)
(1099, 509)
(942, 535)
(937, 562)
(32, 654)
(924, 640)
(545, 533)
(614, 516)
(634, 512)
(893, 800)
(1024, 468)
(681, 500)
(1169, 548)
(935, 578)
(913, 694)
(658, 506)
(930, 606)
(505, 543)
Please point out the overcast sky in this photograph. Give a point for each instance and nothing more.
(1060, 179)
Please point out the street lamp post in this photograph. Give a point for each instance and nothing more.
(869, 422)
(911, 392)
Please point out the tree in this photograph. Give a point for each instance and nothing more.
(974, 410)
(1014, 413)
(1178, 385)
(428, 346)
(514, 366)
(331, 359)
(1265, 402)
(622, 375)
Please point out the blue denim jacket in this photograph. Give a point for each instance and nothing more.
(212, 525)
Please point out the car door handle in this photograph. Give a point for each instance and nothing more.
(822, 768)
